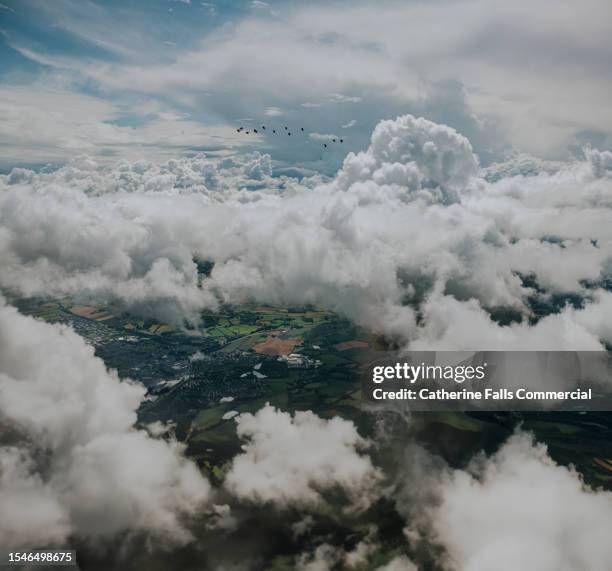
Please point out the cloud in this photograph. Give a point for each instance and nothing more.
(350, 124)
(342, 51)
(520, 510)
(210, 7)
(76, 464)
(324, 558)
(363, 550)
(44, 124)
(412, 153)
(120, 261)
(410, 239)
(273, 112)
(341, 98)
(294, 460)
(321, 137)
(452, 325)
(601, 162)
(399, 563)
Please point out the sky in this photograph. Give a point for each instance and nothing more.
(468, 208)
(166, 78)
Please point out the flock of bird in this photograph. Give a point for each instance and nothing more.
(246, 131)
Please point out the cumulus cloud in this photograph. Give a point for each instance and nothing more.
(294, 460)
(520, 510)
(75, 463)
(413, 154)
(410, 239)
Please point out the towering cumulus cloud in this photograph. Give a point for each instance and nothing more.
(71, 459)
(410, 239)
(423, 158)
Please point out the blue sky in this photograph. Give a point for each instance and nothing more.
(157, 79)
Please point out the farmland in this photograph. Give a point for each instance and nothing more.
(234, 362)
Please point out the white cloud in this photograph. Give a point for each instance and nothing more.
(80, 467)
(453, 325)
(520, 510)
(414, 154)
(47, 124)
(341, 98)
(321, 137)
(172, 115)
(343, 51)
(293, 460)
(407, 227)
(350, 124)
(273, 112)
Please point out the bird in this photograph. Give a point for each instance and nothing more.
(325, 145)
(274, 130)
(254, 130)
(342, 140)
(301, 128)
(285, 127)
(288, 133)
(333, 140)
(263, 127)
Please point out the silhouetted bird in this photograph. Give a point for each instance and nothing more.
(285, 127)
(342, 140)
(254, 130)
(301, 128)
(325, 145)
(274, 130)
(333, 140)
(263, 127)
(289, 134)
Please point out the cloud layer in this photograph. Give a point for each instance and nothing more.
(320, 63)
(408, 239)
